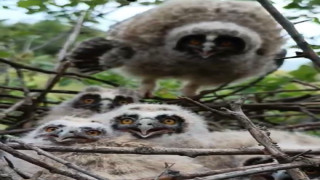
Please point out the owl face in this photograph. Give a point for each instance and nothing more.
(69, 132)
(208, 40)
(100, 100)
(149, 125)
(153, 120)
(208, 45)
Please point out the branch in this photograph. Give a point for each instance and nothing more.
(53, 157)
(289, 27)
(41, 90)
(29, 159)
(263, 138)
(21, 66)
(190, 152)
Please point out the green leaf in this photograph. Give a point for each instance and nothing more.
(29, 3)
(4, 54)
(305, 72)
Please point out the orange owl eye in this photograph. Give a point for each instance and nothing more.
(194, 42)
(51, 129)
(126, 121)
(88, 101)
(93, 132)
(123, 102)
(226, 43)
(169, 121)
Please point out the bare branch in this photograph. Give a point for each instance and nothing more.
(289, 27)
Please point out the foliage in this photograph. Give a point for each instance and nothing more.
(37, 45)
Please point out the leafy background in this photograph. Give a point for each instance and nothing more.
(36, 44)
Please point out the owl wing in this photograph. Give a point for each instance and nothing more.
(98, 54)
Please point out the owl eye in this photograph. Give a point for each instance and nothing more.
(169, 121)
(226, 43)
(51, 129)
(93, 132)
(194, 42)
(126, 121)
(123, 102)
(88, 101)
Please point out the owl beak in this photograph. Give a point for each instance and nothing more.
(206, 54)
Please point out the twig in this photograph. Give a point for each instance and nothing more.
(190, 152)
(13, 64)
(72, 37)
(205, 107)
(289, 27)
(29, 159)
(55, 158)
(16, 131)
(263, 138)
(41, 90)
(257, 170)
(26, 91)
(305, 84)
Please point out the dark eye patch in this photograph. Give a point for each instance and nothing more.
(184, 43)
(228, 42)
(117, 125)
(131, 116)
(88, 101)
(121, 100)
(179, 121)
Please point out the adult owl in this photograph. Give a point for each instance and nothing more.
(204, 42)
(92, 100)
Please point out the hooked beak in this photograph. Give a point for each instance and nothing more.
(70, 136)
(146, 129)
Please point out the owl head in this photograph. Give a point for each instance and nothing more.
(100, 99)
(148, 121)
(68, 130)
(208, 40)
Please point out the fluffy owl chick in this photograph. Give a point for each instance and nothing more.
(92, 100)
(162, 124)
(203, 42)
(64, 131)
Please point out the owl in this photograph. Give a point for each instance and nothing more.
(203, 42)
(92, 100)
(61, 132)
(162, 124)
(67, 130)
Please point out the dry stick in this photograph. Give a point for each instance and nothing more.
(16, 131)
(244, 87)
(306, 84)
(26, 91)
(17, 65)
(257, 170)
(190, 152)
(296, 126)
(206, 107)
(40, 90)
(305, 110)
(37, 162)
(263, 138)
(289, 27)
(72, 37)
(55, 158)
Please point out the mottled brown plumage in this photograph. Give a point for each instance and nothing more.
(148, 44)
